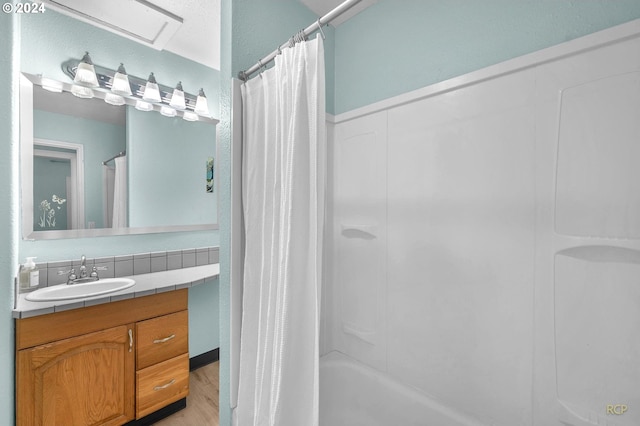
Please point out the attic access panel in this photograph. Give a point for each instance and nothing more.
(141, 21)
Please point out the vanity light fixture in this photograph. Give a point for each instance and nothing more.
(143, 105)
(81, 91)
(168, 111)
(120, 83)
(113, 99)
(86, 73)
(202, 107)
(120, 88)
(51, 85)
(190, 116)
(177, 98)
(151, 90)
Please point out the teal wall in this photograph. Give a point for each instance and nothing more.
(100, 140)
(395, 46)
(204, 333)
(167, 170)
(259, 27)
(9, 65)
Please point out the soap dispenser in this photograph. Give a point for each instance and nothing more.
(29, 275)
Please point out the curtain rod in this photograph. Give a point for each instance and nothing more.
(339, 10)
(120, 154)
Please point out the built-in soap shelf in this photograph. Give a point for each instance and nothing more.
(365, 232)
(602, 253)
(367, 336)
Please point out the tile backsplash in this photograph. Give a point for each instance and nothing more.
(53, 273)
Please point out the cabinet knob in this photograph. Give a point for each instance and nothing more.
(130, 340)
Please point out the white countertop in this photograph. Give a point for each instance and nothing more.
(146, 284)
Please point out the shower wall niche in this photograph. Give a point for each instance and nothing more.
(485, 238)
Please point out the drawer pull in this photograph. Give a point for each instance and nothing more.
(130, 340)
(166, 339)
(159, 388)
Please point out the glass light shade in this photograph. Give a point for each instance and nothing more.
(143, 106)
(151, 90)
(168, 111)
(177, 98)
(85, 73)
(51, 85)
(120, 83)
(190, 116)
(113, 99)
(82, 92)
(202, 107)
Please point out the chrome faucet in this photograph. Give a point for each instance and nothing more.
(82, 276)
(83, 267)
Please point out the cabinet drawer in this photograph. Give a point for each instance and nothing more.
(162, 338)
(162, 384)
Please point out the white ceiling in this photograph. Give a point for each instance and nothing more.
(189, 28)
(198, 38)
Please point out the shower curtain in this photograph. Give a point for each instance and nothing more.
(120, 194)
(283, 205)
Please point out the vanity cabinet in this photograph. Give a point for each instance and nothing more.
(102, 365)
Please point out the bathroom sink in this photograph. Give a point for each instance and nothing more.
(78, 291)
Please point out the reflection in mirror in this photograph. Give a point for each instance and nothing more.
(90, 168)
(57, 175)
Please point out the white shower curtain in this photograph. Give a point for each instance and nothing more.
(120, 194)
(283, 203)
(108, 180)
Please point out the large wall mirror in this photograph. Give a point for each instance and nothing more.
(92, 169)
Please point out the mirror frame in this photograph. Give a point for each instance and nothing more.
(26, 181)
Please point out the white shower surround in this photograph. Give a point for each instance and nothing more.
(455, 269)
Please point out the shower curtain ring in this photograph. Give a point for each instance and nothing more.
(260, 67)
(320, 28)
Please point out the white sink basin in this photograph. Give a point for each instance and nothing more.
(78, 291)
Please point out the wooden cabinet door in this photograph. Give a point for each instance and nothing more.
(81, 381)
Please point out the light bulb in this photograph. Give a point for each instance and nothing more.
(168, 111)
(177, 98)
(143, 106)
(202, 108)
(86, 73)
(51, 85)
(113, 99)
(120, 84)
(190, 116)
(82, 92)
(151, 90)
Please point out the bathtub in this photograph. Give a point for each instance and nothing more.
(353, 394)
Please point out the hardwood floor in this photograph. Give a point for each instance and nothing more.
(202, 402)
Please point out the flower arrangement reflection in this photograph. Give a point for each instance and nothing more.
(48, 217)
